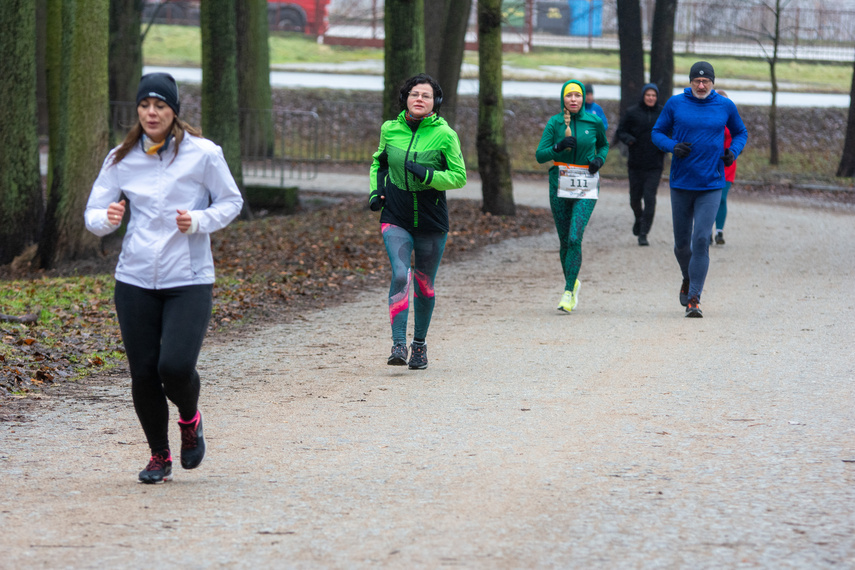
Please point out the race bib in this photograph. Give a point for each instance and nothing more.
(575, 181)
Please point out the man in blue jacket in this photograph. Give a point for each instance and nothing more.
(691, 127)
(593, 107)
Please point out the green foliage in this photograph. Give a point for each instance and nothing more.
(76, 332)
(173, 45)
(288, 47)
(182, 46)
(56, 299)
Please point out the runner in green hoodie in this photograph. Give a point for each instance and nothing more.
(418, 159)
(575, 142)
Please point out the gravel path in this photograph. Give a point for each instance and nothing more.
(621, 435)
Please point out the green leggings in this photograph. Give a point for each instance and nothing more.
(571, 217)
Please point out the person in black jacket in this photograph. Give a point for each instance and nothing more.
(645, 159)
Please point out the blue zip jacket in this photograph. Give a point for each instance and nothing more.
(700, 122)
(598, 111)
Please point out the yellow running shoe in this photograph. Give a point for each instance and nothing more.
(570, 298)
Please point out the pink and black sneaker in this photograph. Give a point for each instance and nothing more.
(158, 470)
(192, 442)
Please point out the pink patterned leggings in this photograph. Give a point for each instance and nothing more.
(428, 249)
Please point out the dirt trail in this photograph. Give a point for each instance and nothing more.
(622, 435)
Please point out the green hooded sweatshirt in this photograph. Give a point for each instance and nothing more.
(590, 136)
(410, 203)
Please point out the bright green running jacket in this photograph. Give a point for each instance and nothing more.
(411, 204)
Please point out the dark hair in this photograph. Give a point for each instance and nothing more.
(417, 80)
(179, 127)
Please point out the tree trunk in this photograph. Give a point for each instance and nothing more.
(662, 48)
(41, 79)
(436, 20)
(494, 164)
(773, 118)
(125, 49)
(20, 181)
(220, 119)
(404, 49)
(445, 42)
(254, 95)
(56, 44)
(83, 106)
(847, 159)
(631, 52)
(773, 109)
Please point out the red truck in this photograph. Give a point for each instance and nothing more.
(308, 16)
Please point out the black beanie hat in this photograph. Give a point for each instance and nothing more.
(589, 88)
(162, 86)
(702, 69)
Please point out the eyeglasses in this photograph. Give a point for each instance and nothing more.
(699, 82)
(424, 96)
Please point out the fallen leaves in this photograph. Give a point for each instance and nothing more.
(269, 270)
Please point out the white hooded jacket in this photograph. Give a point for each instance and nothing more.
(155, 254)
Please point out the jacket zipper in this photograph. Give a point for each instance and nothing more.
(407, 178)
(157, 255)
(576, 148)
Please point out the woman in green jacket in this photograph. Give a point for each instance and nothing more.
(572, 139)
(418, 159)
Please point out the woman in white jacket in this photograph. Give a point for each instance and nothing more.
(179, 190)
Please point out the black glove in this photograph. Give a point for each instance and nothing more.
(682, 150)
(566, 142)
(423, 173)
(595, 165)
(376, 203)
(728, 157)
(629, 140)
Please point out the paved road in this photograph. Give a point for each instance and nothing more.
(541, 82)
(622, 435)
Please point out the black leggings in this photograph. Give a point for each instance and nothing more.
(163, 330)
(643, 184)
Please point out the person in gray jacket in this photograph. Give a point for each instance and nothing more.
(179, 189)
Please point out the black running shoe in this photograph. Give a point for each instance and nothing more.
(192, 442)
(398, 356)
(418, 356)
(158, 470)
(693, 309)
(642, 240)
(636, 227)
(684, 292)
(719, 238)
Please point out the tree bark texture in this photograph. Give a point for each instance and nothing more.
(125, 49)
(41, 79)
(847, 159)
(404, 49)
(662, 48)
(494, 164)
(83, 107)
(20, 181)
(254, 94)
(631, 52)
(220, 112)
(436, 18)
(445, 43)
(57, 41)
(773, 110)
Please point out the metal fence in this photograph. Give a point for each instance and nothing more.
(275, 145)
(820, 31)
(287, 144)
